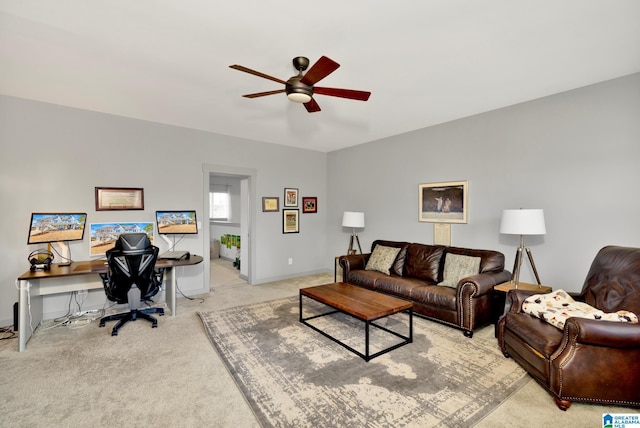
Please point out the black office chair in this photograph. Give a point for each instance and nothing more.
(132, 278)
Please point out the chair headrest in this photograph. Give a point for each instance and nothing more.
(132, 242)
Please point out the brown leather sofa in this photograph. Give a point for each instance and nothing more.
(590, 360)
(417, 270)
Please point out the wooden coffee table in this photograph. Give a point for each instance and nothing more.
(362, 304)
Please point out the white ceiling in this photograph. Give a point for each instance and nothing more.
(425, 61)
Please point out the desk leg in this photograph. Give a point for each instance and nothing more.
(170, 294)
(24, 320)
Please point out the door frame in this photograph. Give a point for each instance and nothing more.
(246, 173)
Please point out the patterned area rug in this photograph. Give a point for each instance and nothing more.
(292, 376)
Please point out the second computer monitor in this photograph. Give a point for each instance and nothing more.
(177, 222)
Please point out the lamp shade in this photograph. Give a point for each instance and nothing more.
(523, 222)
(353, 219)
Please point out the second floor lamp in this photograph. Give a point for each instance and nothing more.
(354, 220)
(523, 222)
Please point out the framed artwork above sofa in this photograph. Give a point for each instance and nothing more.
(444, 202)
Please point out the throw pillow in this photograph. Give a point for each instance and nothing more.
(382, 259)
(457, 266)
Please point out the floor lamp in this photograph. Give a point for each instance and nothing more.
(353, 220)
(523, 222)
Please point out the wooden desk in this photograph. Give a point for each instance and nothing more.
(31, 288)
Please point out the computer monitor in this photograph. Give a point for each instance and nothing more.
(56, 227)
(177, 222)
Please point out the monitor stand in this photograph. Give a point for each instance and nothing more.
(173, 255)
(61, 248)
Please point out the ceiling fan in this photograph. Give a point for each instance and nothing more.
(300, 88)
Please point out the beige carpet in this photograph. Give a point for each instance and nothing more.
(170, 376)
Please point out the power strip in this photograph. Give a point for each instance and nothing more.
(91, 312)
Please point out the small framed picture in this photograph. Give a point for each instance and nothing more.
(309, 204)
(119, 198)
(444, 202)
(270, 204)
(290, 197)
(290, 220)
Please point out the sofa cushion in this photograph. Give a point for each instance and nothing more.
(457, 267)
(382, 259)
(398, 264)
(423, 262)
(396, 285)
(435, 297)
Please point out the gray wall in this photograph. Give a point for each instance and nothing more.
(52, 157)
(574, 154)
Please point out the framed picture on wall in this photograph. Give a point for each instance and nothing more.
(291, 221)
(290, 197)
(270, 204)
(309, 204)
(444, 202)
(119, 198)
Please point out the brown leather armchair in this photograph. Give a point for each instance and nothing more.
(589, 360)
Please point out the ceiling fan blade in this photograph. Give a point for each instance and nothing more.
(256, 73)
(318, 71)
(343, 93)
(312, 106)
(262, 94)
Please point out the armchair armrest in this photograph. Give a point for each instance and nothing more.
(517, 298)
(608, 334)
(352, 262)
(482, 282)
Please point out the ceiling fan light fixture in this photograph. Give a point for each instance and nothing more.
(299, 97)
(297, 91)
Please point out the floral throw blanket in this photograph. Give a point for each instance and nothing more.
(556, 307)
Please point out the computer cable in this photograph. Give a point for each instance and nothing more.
(7, 333)
(202, 300)
(53, 249)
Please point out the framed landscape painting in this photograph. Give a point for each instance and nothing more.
(444, 202)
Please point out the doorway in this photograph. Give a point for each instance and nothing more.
(235, 263)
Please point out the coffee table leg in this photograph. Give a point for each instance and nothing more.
(366, 341)
(411, 325)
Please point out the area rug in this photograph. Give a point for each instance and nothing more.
(292, 376)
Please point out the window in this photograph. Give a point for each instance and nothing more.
(219, 207)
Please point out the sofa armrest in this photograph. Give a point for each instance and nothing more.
(483, 282)
(352, 262)
(609, 334)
